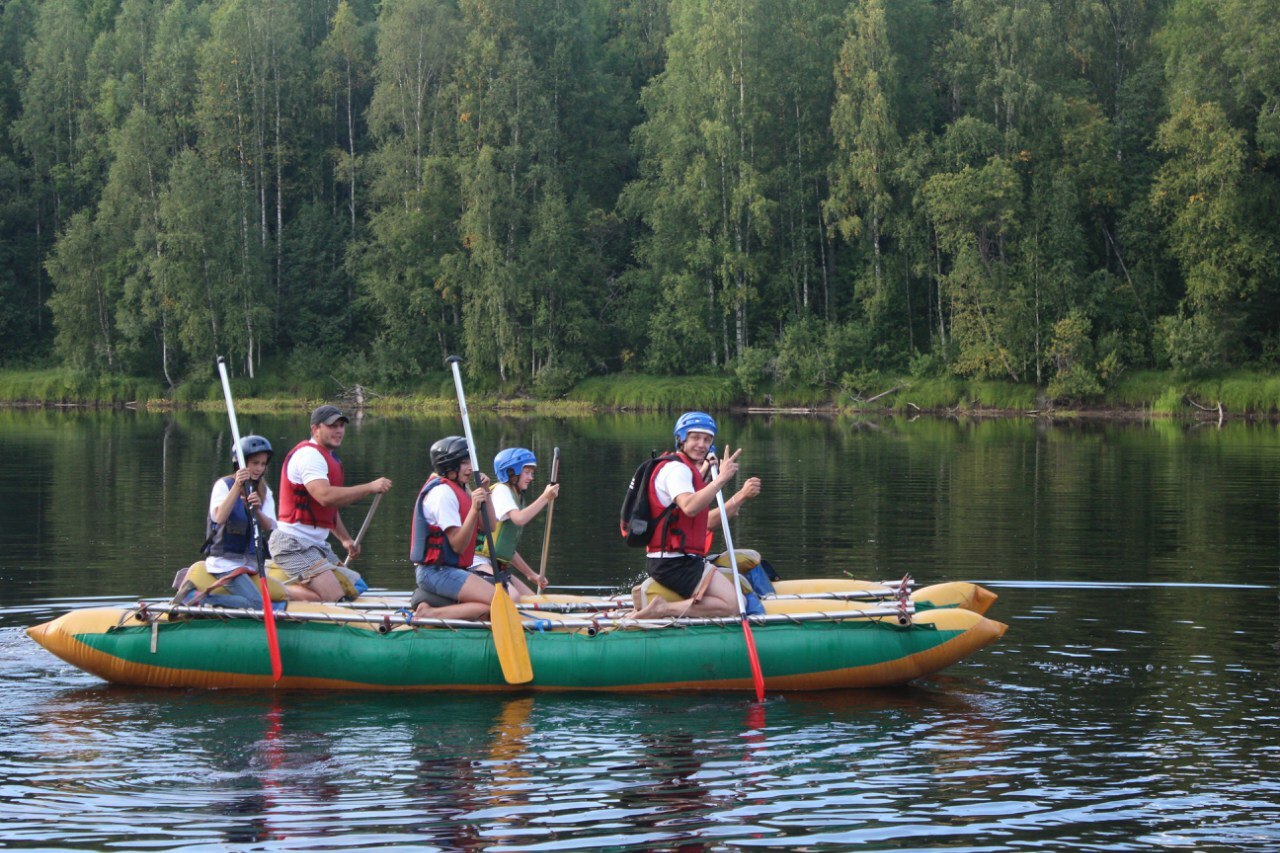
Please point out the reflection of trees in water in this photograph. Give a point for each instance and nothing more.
(674, 800)
(466, 772)
(277, 754)
(145, 748)
(459, 779)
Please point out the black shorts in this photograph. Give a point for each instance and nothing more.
(682, 574)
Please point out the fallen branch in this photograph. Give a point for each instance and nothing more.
(882, 394)
(355, 396)
(1191, 402)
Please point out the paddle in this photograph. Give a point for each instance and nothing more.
(546, 533)
(757, 677)
(368, 518)
(268, 614)
(508, 631)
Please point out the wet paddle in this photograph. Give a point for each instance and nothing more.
(268, 614)
(546, 533)
(508, 631)
(757, 677)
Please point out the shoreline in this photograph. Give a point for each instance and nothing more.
(529, 408)
(1150, 395)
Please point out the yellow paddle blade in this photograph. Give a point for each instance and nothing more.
(509, 639)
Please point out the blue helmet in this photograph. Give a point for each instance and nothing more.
(249, 445)
(513, 458)
(693, 422)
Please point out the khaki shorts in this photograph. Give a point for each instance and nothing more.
(301, 560)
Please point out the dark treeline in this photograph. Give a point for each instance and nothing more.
(800, 191)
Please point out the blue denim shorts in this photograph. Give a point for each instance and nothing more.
(444, 581)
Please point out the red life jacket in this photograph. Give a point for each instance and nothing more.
(679, 534)
(296, 504)
(429, 544)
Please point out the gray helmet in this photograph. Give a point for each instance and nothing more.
(250, 445)
(449, 453)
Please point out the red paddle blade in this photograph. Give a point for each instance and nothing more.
(273, 641)
(757, 677)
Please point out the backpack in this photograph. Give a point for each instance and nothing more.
(636, 522)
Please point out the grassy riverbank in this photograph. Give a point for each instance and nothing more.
(1147, 393)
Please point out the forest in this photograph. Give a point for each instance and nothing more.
(803, 192)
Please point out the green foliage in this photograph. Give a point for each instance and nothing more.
(753, 370)
(1006, 396)
(58, 385)
(1139, 388)
(809, 195)
(639, 391)
(815, 354)
(1187, 342)
(1170, 402)
(1071, 351)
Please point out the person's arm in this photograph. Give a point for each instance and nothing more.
(749, 490)
(692, 503)
(461, 537)
(267, 511)
(327, 494)
(521, 517)
(220, 513)
(527, 571)
(255, 501)
(347, 541)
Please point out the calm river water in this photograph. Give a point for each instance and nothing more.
(1133, 704)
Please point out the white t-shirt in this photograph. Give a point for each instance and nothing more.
(504, 503)
(672, 480)
(219, 565)
(440, 507)
(306, 464)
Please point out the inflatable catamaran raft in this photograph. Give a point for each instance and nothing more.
(813, 635)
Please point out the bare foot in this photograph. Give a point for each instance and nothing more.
(657, 608)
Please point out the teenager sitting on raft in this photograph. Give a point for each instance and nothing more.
(514, 468)
(677, 551)
(231, 550)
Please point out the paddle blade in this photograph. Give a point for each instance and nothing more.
(757, 677)
(273, 641)
(509, 639)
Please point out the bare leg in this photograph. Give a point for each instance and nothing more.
(474, 600)
(297, 591)
(325, 586)
(520, 588)
(717, 600)
(463, 610)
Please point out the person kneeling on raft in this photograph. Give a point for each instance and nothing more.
(677, 551)
(231, 552)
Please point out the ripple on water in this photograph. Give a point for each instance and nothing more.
(1072, 732)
